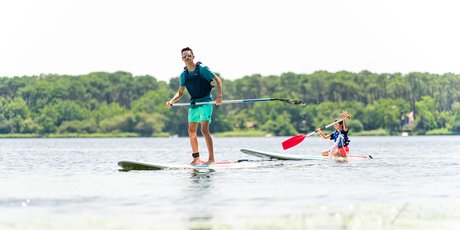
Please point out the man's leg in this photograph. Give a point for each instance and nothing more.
(209, 143)
(192, 127)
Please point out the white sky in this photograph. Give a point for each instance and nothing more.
(233, 37)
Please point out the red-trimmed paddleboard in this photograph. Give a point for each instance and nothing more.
(296, 157)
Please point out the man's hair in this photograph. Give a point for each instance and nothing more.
(340, 122)
(186, 49)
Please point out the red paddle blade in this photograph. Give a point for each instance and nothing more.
(293, 141)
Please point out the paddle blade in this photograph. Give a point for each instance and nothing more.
(293, 141)
(290, 101)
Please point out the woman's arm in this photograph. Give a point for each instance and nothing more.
(345, 116)
(321, 134)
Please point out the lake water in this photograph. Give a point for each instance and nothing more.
(412, 183)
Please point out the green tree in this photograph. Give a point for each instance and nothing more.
(120, 123)
(455, 121)
(104, 111)
(153, 102)
(75, 126)
(425, 119)
(47, 120)
(149, 124)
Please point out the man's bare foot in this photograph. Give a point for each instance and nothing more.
(210, 162)
(196, 162)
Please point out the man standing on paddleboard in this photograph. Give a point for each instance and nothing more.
(197, 79)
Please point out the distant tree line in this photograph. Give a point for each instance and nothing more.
(110, 103)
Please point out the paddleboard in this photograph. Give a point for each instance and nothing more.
(135, 165)
(288, 156)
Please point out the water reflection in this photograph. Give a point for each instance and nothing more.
(200, 223)
(202, 179)
(200, 188)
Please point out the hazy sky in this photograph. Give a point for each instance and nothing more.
(233, 37)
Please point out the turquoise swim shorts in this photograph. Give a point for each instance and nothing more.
(200, 113)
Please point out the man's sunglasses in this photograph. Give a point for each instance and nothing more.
(187, 56)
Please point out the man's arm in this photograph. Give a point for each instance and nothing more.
(177, 96)
(219, 90)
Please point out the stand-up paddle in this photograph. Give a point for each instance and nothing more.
(293, 141)
(288, 101)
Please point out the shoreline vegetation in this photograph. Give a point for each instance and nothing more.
(377, 132)
(118, 104)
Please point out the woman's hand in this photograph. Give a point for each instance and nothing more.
(345, 115)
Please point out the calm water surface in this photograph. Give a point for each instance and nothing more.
(412, 183)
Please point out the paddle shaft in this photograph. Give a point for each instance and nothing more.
(289, 101)
(325, 127)
(293, 141)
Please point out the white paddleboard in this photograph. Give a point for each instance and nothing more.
(135, 165)
(287, 156)
(280, 156)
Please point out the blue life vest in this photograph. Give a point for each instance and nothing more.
(196, 84)
(345, 141)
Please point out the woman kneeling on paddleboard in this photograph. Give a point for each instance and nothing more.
(340, 137)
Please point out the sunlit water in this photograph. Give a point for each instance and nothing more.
(412, 183)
